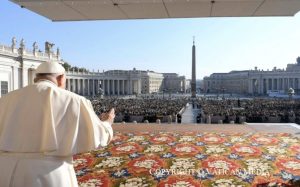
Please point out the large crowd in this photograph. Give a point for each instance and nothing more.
(252, 110)
(228, 110)
(148, 108)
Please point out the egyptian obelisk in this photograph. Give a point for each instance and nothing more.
(193, 83)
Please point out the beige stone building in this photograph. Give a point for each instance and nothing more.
(255, 82)
(172, 82)
(232, 82)
(18, 64)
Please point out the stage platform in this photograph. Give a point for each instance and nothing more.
(249, 155)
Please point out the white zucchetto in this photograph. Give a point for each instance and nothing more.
(50, 67)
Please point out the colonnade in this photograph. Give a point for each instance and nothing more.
(263, 85)
(92, 87)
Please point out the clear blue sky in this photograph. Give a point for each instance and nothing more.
(222, 44)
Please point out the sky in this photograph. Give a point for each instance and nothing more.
(161, 45)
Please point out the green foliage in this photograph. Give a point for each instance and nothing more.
(73, 68)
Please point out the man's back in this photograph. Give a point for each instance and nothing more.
(41, 127)
(44, 118)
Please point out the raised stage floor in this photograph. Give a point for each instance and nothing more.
(291, 128)
(248, 154)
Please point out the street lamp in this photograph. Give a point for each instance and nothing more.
(291, 92)
(100, 92)
(223, 90)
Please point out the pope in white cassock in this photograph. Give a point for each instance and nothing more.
(42, 126)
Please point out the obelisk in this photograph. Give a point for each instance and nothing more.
(193, 82)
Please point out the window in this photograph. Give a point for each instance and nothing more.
(4, 87)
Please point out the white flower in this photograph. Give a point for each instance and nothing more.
(154, 148)
(245, 150)
(214, 149)
(275, 150)
(212, 139)
(186, 139)
(145, 164)
(237, 139)
(183, 163)
(126, 148)
(263, 139)
(91, 183)
(254, 165)
(79, 161)
(134, 182)
(220, 164)
(186, 149)
(225, 183)
(180, 184)
(136, 139)
(289, 140)
(161, 139)
(292, 165)
(110, 162)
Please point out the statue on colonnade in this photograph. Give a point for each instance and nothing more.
(35, 47)
(48, 47)
(22, 44)
(13, 42)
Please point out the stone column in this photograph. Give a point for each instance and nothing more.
(113, 87)
(78, 86)
(24, 76)
(139, 86)
(103, 86)
(74, 85)
(15, 78)
(130, 87)
(108, 86)
(96, 86)
(123, 87)
(250, 86)
(93, 87)
(69, 84)
(83, 87)
(88, 87)
(118, 87)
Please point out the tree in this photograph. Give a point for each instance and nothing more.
(67, 66)
(298, 60)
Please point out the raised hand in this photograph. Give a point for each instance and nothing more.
(109, 116)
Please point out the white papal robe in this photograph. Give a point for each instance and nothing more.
(41, 127)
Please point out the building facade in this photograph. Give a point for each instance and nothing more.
(255, 82)
(174, 83)
(114, 82)
(18, 64)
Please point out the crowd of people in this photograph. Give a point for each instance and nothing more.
(148, 108)
(252, 110)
